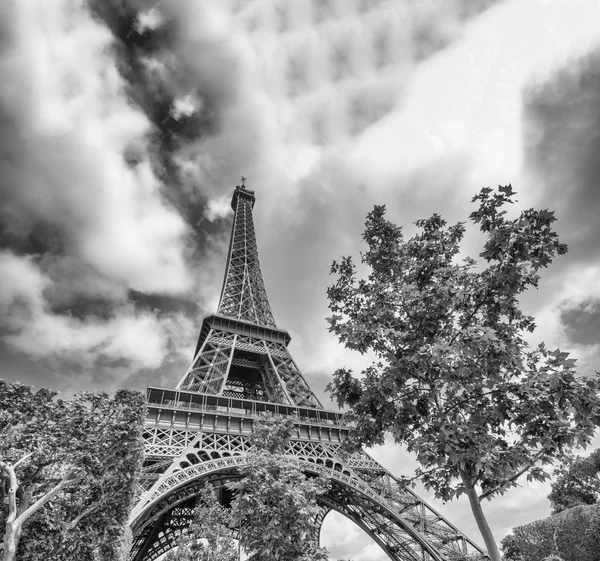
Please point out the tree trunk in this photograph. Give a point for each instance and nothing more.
(484, 529)
(12, 528)
(14, 523)
(11, 541)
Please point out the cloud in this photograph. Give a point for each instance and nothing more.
(129, 339)
(342, 536)
(76, 217)
(63, 169)
(123, 134)
(562, 136)
(218, 208)
(566, 316)
(21, 296)
(582, 322)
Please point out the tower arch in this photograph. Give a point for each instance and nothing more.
(242, 369)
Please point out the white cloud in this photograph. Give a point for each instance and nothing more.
(21, 290)
(149, 20)
(570, 288)
(345, 540)
(72, 173)
(320, 138)
(139, 338)
(218, 208)
(185, 106)
(468, 98)
(132, 235)
(67, 172)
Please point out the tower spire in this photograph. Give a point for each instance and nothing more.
(243, 295)
(199, 432)
(241, 352)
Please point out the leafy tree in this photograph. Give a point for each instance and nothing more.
(578, 483)
(453, 379)
(275, 504)
(571, 535)
(510, 549)
(274, 508)
(209, 537)
(68, 471)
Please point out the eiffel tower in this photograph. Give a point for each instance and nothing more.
(198, 431)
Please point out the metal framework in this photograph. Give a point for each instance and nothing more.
(244, 295)
(198, 432)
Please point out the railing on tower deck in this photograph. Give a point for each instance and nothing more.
(196, 401)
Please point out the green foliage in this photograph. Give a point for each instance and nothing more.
(75, 464)
(572, 535)
(578, 483)
(510, 549)
(275, 505)
(209, 538)
(453, 379)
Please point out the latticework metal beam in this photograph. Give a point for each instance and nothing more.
(242, 369)
(244, 295)
(406, 527)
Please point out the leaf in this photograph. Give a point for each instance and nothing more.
(453, 380)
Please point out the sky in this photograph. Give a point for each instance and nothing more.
(126, 124)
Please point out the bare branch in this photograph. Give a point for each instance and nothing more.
(89, 510)
(23, 459)
(71, 478)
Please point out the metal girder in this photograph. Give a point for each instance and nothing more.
(226, 356)
(244, 295)
(397, 519)
(242, 369)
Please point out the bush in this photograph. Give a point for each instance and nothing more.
(571, 535)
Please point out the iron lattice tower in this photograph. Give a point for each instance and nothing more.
(198, 432)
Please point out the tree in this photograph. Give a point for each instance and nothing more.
(571, 535)
(510, 549)
(453, 379)
(209, 537)
(578, 483)
(68, 470)
(275, 505)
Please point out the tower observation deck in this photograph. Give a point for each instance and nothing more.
(242, 369)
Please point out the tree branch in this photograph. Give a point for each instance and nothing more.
(471, 315)
(31, 478)
(69, 479)
(409, 392)
(23, 459)
(514, 477)
(89, 510)
(415, 477)
(12, 490)
(467, 400)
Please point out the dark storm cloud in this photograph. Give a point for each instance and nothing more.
(164, 303)
(92, 259)
(96, 277)
(468, 9)
(25, 232)
(561, 118)
(438, 23)
(562, 144)
(582, 322)
(182, 83)
(151, 88)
